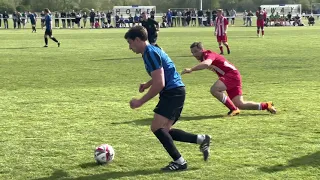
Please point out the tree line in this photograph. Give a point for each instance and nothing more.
(162, 5)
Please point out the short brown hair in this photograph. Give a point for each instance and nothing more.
(137, 32)
(196, 44)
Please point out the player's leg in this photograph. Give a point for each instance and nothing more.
(220, 44)
(217, 90)
(45, 39)
(34, 27)
(167, 112)
(225, 43)
(176, 102)
(161, 124)
(54, 39)
(202, 139)
(158, 128)
(249, 105)
(258, 31)
(262, 30)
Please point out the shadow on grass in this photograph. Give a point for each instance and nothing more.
(134, 58)
(246, 37)
(147, 121)
(59, 174)
(307, 160)
(8, 48)
(88, 165)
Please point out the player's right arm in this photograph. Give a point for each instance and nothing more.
(203, 65)
(156, 24)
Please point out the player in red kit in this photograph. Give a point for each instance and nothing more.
(229, 81)
(261, 16)
(221, 28)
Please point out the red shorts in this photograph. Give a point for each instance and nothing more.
(260, 23)
(222, 38)
(233, 82)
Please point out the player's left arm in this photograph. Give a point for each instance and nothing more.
(203, 65)
(226, 26)
(215, 27)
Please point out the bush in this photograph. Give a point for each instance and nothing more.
(22, 8)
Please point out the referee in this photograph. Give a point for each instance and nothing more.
(152, 27)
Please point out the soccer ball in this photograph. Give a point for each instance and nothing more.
(104, 154)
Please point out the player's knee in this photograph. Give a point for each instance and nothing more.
(156, 125)
(153, 128)
(239, 104)
(214, 90)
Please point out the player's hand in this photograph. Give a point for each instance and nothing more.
(135, 103)
(225, 33)
(142, 87)
(215, 33)
(187, 70)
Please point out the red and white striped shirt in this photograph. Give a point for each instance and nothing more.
(221, 25)
(219, 64)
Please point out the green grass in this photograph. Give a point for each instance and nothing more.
(57, 104)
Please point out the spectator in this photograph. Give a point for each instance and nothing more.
(311, 20)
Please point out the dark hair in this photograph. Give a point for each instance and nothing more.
(137, 32)
(196, 44)
(46, 10)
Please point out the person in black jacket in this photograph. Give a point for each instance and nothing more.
(152, 27)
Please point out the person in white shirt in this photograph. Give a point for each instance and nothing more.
(245, 14)
(233, 15)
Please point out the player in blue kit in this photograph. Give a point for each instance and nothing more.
(48, 32)
(165, 81)
(33, 20)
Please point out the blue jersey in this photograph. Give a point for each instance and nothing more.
(154, 58)
(32, 18)
(48, 22)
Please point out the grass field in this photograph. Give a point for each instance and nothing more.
(58, 104)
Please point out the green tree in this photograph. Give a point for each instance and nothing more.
(6, 6)
(246, 5)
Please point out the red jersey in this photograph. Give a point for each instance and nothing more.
(219, 64)
(261, 15)
(221, 25)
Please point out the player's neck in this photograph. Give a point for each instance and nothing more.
(144, 46)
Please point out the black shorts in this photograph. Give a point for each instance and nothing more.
(171, 103)
(152, 38)
(48, 32)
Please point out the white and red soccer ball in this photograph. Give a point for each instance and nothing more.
(104, 154)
